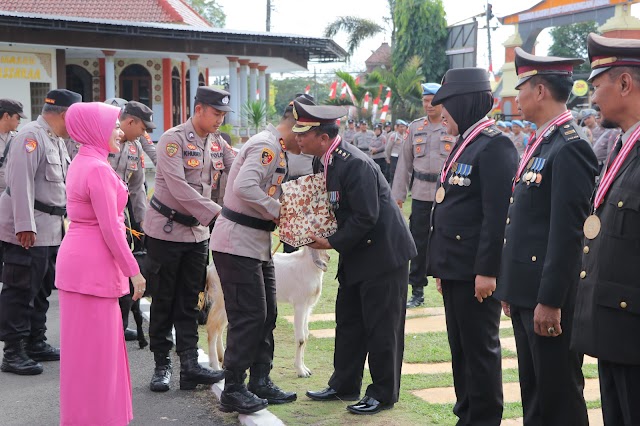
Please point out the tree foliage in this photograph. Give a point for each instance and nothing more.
(286, 89)
(570, 41)
(210, 10)
(357, 29)
(406, 92)
(421, 29)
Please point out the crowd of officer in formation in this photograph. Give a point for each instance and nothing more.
(539, 219)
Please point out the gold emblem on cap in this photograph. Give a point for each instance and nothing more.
(604, 61)
(295, 113)
(527, 74)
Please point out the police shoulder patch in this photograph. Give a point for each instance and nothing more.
(172, 149)
(30, 145)
(266, 156)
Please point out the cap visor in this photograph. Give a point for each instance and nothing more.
(300, 129)
(22, 115)
(522, 81)
(222, 108)
(597, 72)
(149, 125)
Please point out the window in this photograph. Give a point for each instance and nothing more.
(79, 81)
(135, 84)
(38, 94)
(176, 97)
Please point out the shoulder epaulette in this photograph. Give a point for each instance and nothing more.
(416, 120)
(491, 131)
(341, 153)
(569, 133)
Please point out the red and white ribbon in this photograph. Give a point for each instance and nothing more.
(467, 141)
(327, 155)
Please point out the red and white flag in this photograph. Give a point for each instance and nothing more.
(257, 94)
(334, 88)
(374, 109)
(385, 107)
(307, 89)
(343, 92)
(365, 104)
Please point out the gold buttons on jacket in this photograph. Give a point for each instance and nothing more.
(511, 200)
(368, 241)
(505, 241)
(533, 258)
(508, 221)
(620, 204)
(623, 304)
(431, 228)
(583, 274)
(458, 237)
(585, 250)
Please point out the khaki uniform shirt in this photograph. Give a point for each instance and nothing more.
(5, 138)
(425, 150)
(222, 156)
(253, 189)
(394, 144)
(349, 135)
(379, 144)
(129, 166)
(362, 140)
(183, 183)
(149, 147)
(37, 171)
(72, 147)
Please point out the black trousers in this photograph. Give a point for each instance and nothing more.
(249, 287)
(419, 227)
(28, 278)
(382, 163)
(174, 280)
(370, 319)
(551, 380)
(476, 358)
(619, 393)
(392, 169)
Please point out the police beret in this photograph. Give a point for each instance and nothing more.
(606, 52)
(401, 122)
(219, 99)
(462, 81)
(351, 120)
(528, 65)
(308, 116)
(507, 124)
(378, 126)
(517, 123)
(500, 124)
(141, 111)
(430, 88)
(118, 102)
(12, 107)
(588, 112)
(62, 97)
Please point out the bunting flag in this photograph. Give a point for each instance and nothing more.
(357, 80)
(365, 104)
(374, 109)
(385, 107)
(343, 91)
(307, 89)
(353, 98)
(334, 88)
(257, 94)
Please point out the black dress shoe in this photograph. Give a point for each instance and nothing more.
(368, 405)
(329, 394)
(130, 335)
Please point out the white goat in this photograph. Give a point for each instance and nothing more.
(298, 282)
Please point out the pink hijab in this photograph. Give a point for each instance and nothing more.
(92, 124)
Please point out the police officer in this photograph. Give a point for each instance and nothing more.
(540, 261)
(395, 141)
(145, 140)
(349, 133)
(589, 121)
(135, 120)
(177, 233)
(241, 241)
(519, 138)
(423, 153)
(363, 137)
(376, 150)
(467, 229)
(222, 156)
(606, 323)
(375, 246)
(31, 228)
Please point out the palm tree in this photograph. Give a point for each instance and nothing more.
(406, 93)
(256, 113)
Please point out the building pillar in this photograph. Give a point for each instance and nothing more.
(109, 74)
(193, 81)
(253, 81)
(262, 82)
(244, 70)
(508, 92)
(622, 24)
(233, 91)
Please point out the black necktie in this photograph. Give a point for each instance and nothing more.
(615, 151)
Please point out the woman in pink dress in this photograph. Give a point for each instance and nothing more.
(93, 266)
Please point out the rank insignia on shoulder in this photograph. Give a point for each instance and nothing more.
(172, 149)
(447, 138)
(550, 131)
(342, 153)
(266, 156)
(30, 145)
(491, 131)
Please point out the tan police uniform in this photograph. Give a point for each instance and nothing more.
(222, 156)
(129, 166)
(149, 147)
(362, 140)
(72, 147)
(5, 144)
(349, 135)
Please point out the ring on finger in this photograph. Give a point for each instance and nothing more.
(551, 330)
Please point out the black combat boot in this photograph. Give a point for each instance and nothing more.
(39, 350)
(417, 297)
(162, 373)
(261, 385)
(16, 361)
(193, 374)
(236, 397)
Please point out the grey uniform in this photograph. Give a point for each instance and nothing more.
(72, 147)
(379, 144)
(348, 135)
(129, 166)
(362, 140)
(299, 165)
(37, 170)
(253, 189)
(426, 148)
(149, 147)
(518, 142)
(222, 156)
(183, 183)
(5, 139)
(393, 147)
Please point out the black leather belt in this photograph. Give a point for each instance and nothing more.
(173, 215)
(250, 221)
(44, 208)
(426, 177)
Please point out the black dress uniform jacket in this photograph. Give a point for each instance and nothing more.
(542, 246)
(372, 235)
(607, 312)
(468, 226)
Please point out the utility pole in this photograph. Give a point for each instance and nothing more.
(268, 15)
(489, 13)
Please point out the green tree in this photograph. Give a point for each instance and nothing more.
(406, 92)
(256, 113)
(421, 29)
(210, 10)
(570, 41)
(287, 88)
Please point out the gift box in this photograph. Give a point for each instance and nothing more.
(305, 210)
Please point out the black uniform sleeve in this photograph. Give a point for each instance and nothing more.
(359, 188)
(497, 166)
(574, 170)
